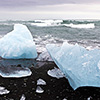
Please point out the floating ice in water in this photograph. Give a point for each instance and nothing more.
(41, 82)
(14, 72)
(55, 73)
(80, 66)
(90, 25)
(39, 90)
(44, 56)
(23, 97)
(18, 44)
(3, 90)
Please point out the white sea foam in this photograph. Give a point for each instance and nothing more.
(45, 23)
(49, 21)
(41, 41)
(90, 25)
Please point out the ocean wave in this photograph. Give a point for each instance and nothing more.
(90, 25)
(6, 24)
(49, 21)
(45, 23)
(41, 42)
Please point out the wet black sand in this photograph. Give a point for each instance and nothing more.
(56, 89)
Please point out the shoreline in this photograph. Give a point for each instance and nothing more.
(55, 89)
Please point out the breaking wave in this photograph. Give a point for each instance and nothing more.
(44, 23)
(72, 24)
(90, 25)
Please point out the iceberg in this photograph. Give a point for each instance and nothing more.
(18, 44)
(80, 66)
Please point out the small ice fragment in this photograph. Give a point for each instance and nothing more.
(44, 56)
(64, 99)
(41, 82)
(23, 97)
(39, 90)
(89, 98)
(3, 90)
(55, 73)
(15, 72)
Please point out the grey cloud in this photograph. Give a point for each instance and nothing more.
(21, 3)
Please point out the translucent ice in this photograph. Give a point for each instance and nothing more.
(18, 44)
(41, 82)
(55, 73)
(39, 90)
(23, 97)
(14, 72)
(3, 90)
(80, 66)
(44, 56)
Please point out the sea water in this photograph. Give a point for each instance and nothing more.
(83, 32)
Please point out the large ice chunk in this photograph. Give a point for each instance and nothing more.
(80, 66)
(18, 44)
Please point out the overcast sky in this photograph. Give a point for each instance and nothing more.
(49, 9)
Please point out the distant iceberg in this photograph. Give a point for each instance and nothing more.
(18, 44)
(80, 66)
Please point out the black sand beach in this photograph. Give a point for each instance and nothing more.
(55, 89)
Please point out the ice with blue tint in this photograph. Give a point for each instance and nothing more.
(18, 44)
(14, 72)
(80, 66)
